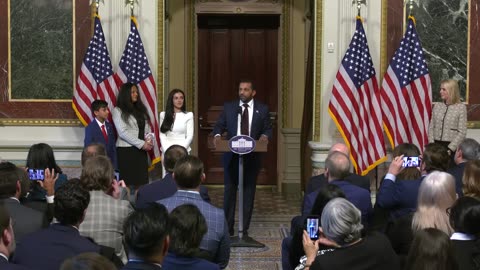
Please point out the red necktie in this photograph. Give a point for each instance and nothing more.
(104, 133)
(244, 121)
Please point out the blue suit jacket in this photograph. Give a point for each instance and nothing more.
(48, 248)
(319, 181)
(228, 121)
(457, 172)
(172, 261)
(93, 134)
(5, 265)
(162, 189)
(400, 197)
(358, 196)
(217, 239)
(141, 266)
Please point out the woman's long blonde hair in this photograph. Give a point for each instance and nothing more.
(436, 194)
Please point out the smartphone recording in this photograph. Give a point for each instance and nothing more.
(411, 162)
(36, 174)
(312, 227)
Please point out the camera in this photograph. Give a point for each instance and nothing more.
(36, 174)
(312, 227)
(411, 162)
(117, 176)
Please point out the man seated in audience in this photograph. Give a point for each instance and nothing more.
(146, 237)
(119, 190)
(184, 244)
(7, 241)
(468, 149)
(105, 214)
(400, 196)
(319, 181)
(26, 220)
(48, 248)
(337, 167)
(93, 150)
(188, 175)
(166, 187)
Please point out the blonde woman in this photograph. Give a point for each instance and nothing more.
(471, 179)
(435, 195)
(449, 117)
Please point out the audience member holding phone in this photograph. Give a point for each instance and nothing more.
(341, 230)
(398, 191)
(40, 159)
(292, 248)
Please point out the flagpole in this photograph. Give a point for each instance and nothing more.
(97, 4)
(131, 3)
(359, 5)
(410, 7)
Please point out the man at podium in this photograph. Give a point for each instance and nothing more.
(245, 116)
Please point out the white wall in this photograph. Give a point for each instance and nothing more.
(339, 19)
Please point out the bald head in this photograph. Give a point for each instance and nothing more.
(337, 166)
(339, 147)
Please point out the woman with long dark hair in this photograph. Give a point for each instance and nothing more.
(176, 124)
(131, 121)
(40, 156)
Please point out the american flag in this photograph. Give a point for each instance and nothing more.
(355, 105)
(96, 79)
(134, 68)
(407, 93)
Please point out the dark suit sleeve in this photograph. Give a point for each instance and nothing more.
(204, 193)
(88, 136)
(140, 201)
(308, 203)
(267, 125)
(387, 195)
(221, 123)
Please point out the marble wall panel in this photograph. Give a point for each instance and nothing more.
(443, 29)
(40, 109)
(41, 49)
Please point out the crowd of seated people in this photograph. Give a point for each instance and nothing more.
(425, 217)
(90, 222)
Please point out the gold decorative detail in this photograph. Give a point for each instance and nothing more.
(40, 122)
(317, 68)
(238, 10)
(285, 62)
(383, 40)
(190, 84)
(473, 124)
(160, 59)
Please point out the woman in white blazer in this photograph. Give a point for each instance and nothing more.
(176, 124)
(131, 122)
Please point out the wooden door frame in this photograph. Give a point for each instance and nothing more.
(191, 9)
(282, 8)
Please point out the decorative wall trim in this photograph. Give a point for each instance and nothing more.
(160, 53)
(286, 47)
(317, 68)
(290, 181)
(39, 122)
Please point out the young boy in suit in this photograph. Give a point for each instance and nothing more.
(101, 131)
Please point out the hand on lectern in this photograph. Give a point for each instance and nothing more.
(214, 141)
(263, 138)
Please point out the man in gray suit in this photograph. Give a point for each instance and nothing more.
(26, 220)
(188, 175)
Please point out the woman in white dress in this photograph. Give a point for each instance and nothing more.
(176, 124)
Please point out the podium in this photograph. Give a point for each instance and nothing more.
(240, 145)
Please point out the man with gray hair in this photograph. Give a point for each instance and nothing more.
(337, 167)
(468, 149)
(319, 181)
